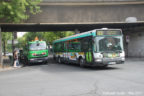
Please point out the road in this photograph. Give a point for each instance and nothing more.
(70, 80)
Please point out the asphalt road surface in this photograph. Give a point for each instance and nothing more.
(70, 80)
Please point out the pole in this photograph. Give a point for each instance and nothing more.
(14, 37)
(1, 59)
(76, 31)
(12, 41)
(12, 48)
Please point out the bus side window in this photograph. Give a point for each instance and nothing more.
(74, 47)
(57, 47)
(54, 48)
(62, 47)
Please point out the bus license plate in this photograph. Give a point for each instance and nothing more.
(112, 63)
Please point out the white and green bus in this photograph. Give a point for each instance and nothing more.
(99, 47)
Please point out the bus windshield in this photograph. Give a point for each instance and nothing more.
(109, 44)
(37, 46)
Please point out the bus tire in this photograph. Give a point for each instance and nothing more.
(82, 62)
(26, 61)
(45, 62)
(105, 66)
(54, 58)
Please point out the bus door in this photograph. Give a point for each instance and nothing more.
(66, 56)
(87, 48)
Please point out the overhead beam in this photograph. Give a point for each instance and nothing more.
(33, 27)
(91, 3)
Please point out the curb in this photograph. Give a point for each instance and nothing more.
(6, 69)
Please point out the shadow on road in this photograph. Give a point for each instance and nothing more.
(52, 66)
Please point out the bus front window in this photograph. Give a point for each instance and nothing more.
(37, 46)
(109, 44)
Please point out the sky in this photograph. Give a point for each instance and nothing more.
(20, 34)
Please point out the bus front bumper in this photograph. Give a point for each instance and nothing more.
(38, 60)
(108, 61)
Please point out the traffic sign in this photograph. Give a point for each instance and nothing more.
(10, 41)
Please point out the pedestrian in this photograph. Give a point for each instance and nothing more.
(16, 61)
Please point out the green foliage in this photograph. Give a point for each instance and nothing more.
(49, 37)
(5, 37)
(17, 10)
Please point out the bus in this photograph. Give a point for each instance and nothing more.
(99, 47)
(36, 52)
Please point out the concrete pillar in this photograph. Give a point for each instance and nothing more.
(13, 47)
(1, 60)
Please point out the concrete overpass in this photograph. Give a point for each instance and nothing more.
(37, 27)
(88, 12)
(86, 15)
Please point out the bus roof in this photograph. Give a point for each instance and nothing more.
(80, 35)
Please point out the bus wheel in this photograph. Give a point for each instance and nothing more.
(26, 62)
(45, 62)
(59, 60)
(105, 66)
(82, 62)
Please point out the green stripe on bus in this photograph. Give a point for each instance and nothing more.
(88, 56)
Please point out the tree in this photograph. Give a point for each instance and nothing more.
(5, 36)
(49, 37)
(17, 10)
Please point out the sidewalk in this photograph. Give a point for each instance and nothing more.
(6, 68)
(134, 59)
(6, 64)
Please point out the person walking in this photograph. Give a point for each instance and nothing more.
(16, 61)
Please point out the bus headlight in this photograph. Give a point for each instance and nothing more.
(123, 59)
(98, 60)
(98, 55)
(122, 54)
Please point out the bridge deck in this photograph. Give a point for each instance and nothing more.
(91, 3)
(35, 27)
(89, 0)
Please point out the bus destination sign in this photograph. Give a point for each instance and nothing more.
(108, 32)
